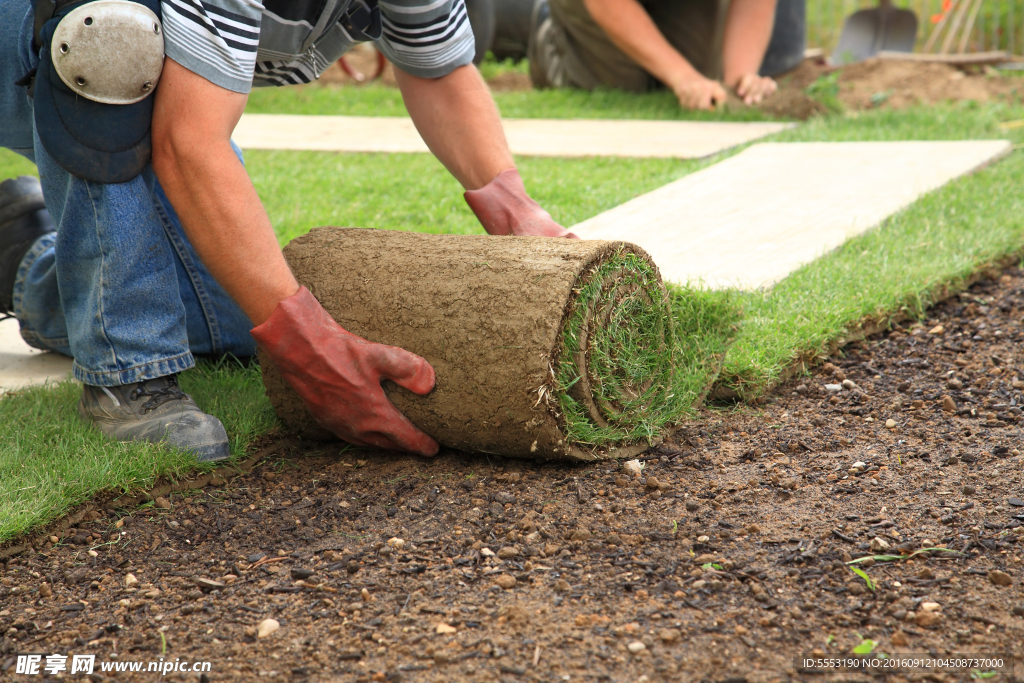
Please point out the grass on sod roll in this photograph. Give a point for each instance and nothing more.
(50, 461)
(941, 238)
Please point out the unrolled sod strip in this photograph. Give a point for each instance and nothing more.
(543, 348)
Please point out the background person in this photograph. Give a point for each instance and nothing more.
(696, 48)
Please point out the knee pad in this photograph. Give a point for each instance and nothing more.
(99, 62)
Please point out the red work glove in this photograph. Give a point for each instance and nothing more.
(504, 208)
(338, 375)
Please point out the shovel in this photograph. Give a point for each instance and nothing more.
(870, 31)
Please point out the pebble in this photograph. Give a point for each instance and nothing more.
(833, 388)
(507, 553)
(130, 580)
(938, 329)
(209, 584)
(879, 544)
(652, 483)
(45, 591)
(162, 503)
(396, 543)
(692, 506)
(969, 490)
(301, 574)
(1016, 502)
(930, 606)
(561, 586)
(54, 539)
(636, 647)
(1018, 610)
(849, 385)
(1000, 578)
(267, 627)
(444, 628)
(900, 639)
(890, 423)
(928, 619)
(506, 581)
(486, 552)
(669, 635)
(704, 558)
(633, 467)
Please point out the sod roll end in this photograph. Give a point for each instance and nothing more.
(544, 348)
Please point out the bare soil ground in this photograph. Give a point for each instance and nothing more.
(723, 560)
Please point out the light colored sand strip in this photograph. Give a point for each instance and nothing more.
(21, 365)
(528, 137)
(752, 219)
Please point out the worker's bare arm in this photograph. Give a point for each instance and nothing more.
(748, 28)
(457, 118)
(631, 28)
(211, 192)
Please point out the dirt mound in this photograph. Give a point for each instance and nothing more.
(877, 83)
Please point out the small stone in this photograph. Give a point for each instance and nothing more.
(1000, 578)
(1018, 610)
(669, 635)
(396, 543)
(506, 581)
(633, 467)
(878, 544)
(301, 574)
(900, 639)
(1016, 502)
(636, 647)
(704, 558)
(486, 552)
(926, 574)
(507, 553)
(652, 483)
(130, 580)
(948, 404)
(153, 594)
(162, 503)
(753, 529)
(54, 539)
(928, 619)
(699, 584)
(938, 329)
(562, 586)
(833, 388)
(969, 490)
(850, 385)
(364, 594)
(692, 506)
(267, 627)
(890, 423)
(930, 606)
(209, 584)
(45, 591)
(445, 629)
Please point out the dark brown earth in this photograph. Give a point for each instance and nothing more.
(722, 561)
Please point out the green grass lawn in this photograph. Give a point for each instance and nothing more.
(50, 462)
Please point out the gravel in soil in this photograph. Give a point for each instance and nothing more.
(722, 559)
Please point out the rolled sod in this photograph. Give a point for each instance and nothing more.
(545, 348)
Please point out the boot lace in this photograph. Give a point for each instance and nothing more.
(157, 395)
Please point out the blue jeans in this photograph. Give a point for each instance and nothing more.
(118, 287)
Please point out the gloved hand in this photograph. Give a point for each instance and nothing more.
(338, 375)
(504, 208)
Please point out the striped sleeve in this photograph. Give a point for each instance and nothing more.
(216, 39)
(426, 38)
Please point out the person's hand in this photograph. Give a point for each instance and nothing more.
(503, 208)
(699, 93)
(338, 375)
(752, 89)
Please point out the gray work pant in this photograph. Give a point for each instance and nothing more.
(569, 50)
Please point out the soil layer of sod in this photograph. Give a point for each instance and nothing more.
(550, 348)
(725, 559)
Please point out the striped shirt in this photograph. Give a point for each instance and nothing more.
(238, 44)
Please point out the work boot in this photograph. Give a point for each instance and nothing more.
(23, 220)
(155, 410)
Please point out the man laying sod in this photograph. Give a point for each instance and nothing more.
(146, 243)
(637, 44)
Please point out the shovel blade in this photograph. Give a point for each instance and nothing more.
(869, 31)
